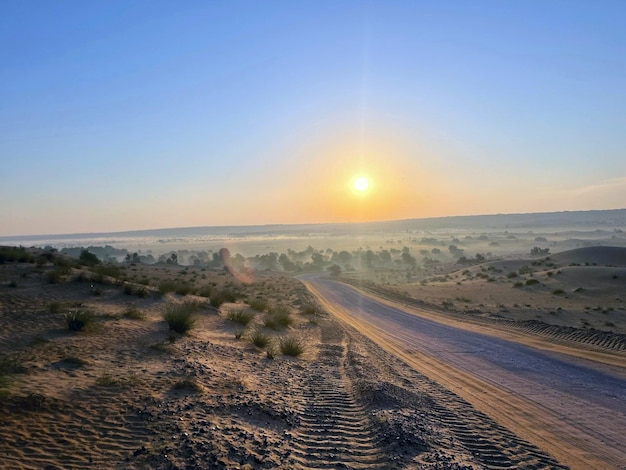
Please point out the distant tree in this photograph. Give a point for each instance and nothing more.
(286, 263)
(317, 259)
(408, 259)
(536, 251)
(87, 258)
(335, 270)
(455, 250)
(173, 259)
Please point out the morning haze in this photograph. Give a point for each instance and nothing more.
(304, 235)
(140, 115)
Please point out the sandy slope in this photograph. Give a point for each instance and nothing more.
(125, 393)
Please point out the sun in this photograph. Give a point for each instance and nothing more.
(361, 184)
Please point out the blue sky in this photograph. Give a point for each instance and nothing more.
(132, 115)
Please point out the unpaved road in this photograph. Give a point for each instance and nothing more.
(573, 408)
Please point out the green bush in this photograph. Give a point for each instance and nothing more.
(531, 282)
(243, 316)
(258, 304)
(13, 254)
(260, 339)
(87, 258)
(79, 319)
(181, 317)
(291, 346)
(278, 317)
(218, 297)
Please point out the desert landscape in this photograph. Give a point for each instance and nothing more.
(220, 364)
(312, 235)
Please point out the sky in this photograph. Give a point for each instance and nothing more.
(129, 115)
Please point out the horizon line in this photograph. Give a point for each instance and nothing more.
(77, 234)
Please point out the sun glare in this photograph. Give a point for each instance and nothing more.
(361, 184)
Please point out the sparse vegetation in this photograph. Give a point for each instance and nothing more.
(258, 304)
(57, 274)
(134, 313)
(278, 317)
(243, 316)
(309, 309)
(292, 346)
(107, 380)
(260, 339)
(221, 296)
(188, 384)
(181, 317)
(77, 320)
(271, 351)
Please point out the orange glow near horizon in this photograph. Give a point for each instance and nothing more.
(352, 178)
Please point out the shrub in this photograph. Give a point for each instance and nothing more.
(188, 384)
(220, 296)
(558, 291)
(134, 314)
(258, 304)
(309, 310)
(278, 317)
(181, 317)
(78, 319)
(56, 275)
(103, 273)
(270, 351)
(291, 346)
(167, 286)
(141, 291)
(242, 316)
(87, 258)
(11, 254)
(205, 291)
(531, 282)
(183, 289)
(260, 339)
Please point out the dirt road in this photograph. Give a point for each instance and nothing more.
(573, 408)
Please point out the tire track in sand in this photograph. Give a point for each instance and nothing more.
(335, 432)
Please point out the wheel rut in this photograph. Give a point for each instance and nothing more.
(334, 431)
